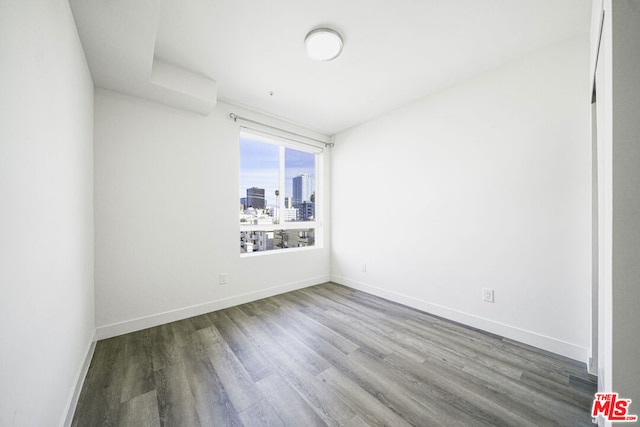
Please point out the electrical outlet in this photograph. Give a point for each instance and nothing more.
(364, 268)
(223, 278)
(487, 294)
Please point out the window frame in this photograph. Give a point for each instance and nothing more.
(318, 188)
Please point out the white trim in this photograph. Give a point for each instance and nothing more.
(120, 328)
(72, 401)
(534, 339)
(289, 225)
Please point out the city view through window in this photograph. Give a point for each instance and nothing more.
(277, 186)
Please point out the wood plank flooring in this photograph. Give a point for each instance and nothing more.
(328, 355)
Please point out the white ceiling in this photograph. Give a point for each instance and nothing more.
(395, 51)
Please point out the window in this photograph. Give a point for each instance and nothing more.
(279, 197)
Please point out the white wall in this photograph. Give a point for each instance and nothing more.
(486, 184)
(46, 213)
(166, 223)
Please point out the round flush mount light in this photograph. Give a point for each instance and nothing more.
(323, 44)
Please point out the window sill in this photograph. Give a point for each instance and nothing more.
(279, 251)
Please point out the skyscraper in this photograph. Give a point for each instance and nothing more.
(302, 188)
(255, 198)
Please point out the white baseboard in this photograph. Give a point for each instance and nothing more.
(534, 339)
(72, 402)
(120, 328)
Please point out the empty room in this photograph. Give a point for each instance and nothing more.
(344, 213)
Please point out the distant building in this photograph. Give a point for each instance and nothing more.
(288, 214)
(302, 188)
(255, 198)
(306, 211)
(288, 202)
(256, 241)
(263, 240)
(243, 203)
(255, 216)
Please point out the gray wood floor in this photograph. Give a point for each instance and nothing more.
(328, 355)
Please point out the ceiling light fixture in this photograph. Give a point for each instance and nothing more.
(323, 44)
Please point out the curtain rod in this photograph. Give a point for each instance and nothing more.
(236, 117)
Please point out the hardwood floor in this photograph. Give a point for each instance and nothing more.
(328, 355)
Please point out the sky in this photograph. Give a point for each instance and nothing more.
(259, 167)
